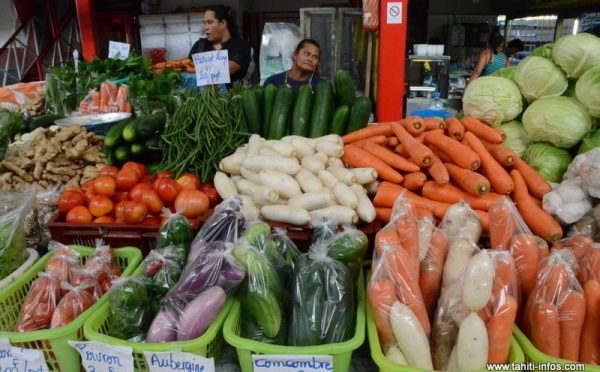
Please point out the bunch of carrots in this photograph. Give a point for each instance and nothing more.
(438, 163)
(109, 99)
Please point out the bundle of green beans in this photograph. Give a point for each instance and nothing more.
(204, 130)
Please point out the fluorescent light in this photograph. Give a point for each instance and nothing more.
(575, 26)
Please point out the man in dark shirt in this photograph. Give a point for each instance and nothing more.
(304, 66)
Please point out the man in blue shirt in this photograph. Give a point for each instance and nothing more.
(305, 61)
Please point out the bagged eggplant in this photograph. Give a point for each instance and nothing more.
(42, 298)
(131, 313)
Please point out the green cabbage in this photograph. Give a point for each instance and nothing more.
(516, 138)
(493, 100)
(538, 77)
(587, 90)
(590, 141)
(544, 51)
(506, 72)
(549, 161)
(562, 121)
(570, 92)
(576, 54)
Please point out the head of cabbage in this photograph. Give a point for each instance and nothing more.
(506, 72)
(587, 90)
(544, 51)
(590, 141)
(516, 138)
(548, 160)
(493, 100)
(576, 54)
(538, 77)
(561, 121)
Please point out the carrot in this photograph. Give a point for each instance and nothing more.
(407, 286)
(554, 282)
(451, 194)
(525, 322)
(502, 226)
(380, 140)
(589, 349)
(359, 158)
(122, 93)
(83, 106)
(537, 185)
(370, 130)
(571, 314)
(484, 217)
(579, 244)
(544, 250)
(440, 154)
(591, 266)
(433, 123)
(539, 221)
(382, 295)
(438, 171)
(472, 182)
(386, 237)
(112, 92)
(407, 230)
(392, 142)
(545, 329)
(104, 96)
(501, 133)
(490, 168)
(95, 100)
(499, 329)
(421, 136)
(503, 154)
(481, 130)
(387, 193)
(525, 253)
(420, 153)
(390, 158)
(414, 181)
(413, 124)
(430, 271)
(454, 128)
(383, 214)
(459, 153)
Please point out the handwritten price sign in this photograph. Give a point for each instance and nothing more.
(101, 357)
(17, 359)
(118, 49)
(178, 360)
(292, 363)
(212, 67)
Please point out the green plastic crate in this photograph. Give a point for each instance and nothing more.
(54, 342)
(341, 352)
(535, 356)
(209, 345)
(515, 354)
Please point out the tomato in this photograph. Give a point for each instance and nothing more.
(189, 181)
(79, 214)
(206, 186)
(153, 201)
(70, 199)
(105, 185)
(120, 195)
(134, 212)
(213, 196)
(104, 219)
(167, 189)
(165, 174)
(151, 220)
(77, 189)
(146, 179)
(89, 195)
(119, 209)
(133, 165)
(195, 202)
(100, 205)
(127, 178)
(109, 170)
(138, 191)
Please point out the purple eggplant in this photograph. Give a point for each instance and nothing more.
(232, 274)
(164, 326)
(199, 314)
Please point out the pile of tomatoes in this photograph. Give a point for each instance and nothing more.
(130, 195)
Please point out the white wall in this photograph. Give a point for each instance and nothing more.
(8, 21)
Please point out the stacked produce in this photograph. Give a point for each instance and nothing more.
(274, 111)
(66, 288)
(179, 65)
(297, 180)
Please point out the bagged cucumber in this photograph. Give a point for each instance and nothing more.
(176, 231)
(339, 309)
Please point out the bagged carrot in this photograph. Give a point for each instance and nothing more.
(433, 250)
(42, 298)
(589, 267)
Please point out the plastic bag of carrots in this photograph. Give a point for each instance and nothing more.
(589, 266)
(42, 299)
(109, 98)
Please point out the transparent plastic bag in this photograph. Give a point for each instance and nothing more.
(42, 299)
(589, 267)
(163, 268)
(277, 46)
(589, 224)
(131, 313)
(14, 206)
(324, 229)
(72, 304)
(461, 221)
(89, 278)
(62, 262)
(176, 231)
(47, 206)
(433, 250)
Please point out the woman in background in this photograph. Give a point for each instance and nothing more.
(305, 61)
(491, 59)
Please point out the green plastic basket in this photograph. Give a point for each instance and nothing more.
(209, 345)
(536, 357)
(515, 354)
(341, 352)
(54, 342)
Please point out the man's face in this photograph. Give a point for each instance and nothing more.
(307, 57)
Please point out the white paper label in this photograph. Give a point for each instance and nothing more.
(101, 357)
(292, 363)
(394, 13)
(17, 359)
(178, 360)
(212, 67)
(118, 49)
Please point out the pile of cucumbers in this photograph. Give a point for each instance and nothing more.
(136, 139)
(274, 112)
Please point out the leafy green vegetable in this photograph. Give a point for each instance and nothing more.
(587, 90)
(544, 51)
(131, 313)
(493, 100)
(576, 54)
(7, 122)
(590, 141)
(538, 77)
(14, 207)
(548, 160)
(517, 138)
(506, 72)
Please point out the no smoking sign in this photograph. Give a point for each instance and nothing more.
(394, 13)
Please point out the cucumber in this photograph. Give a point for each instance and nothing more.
(282, 109)
(265, 308)
(302, 111)
(155, 142)
(123, 153)
(340, 120)
(339, 308)
(115, 135)
(130, 131)
(345, 94)
(149, 125)
(359, 114)
(257, 234)
(109, 153)
(308, 297)
(348, 246)
(321, 110)
(259, 92)
(270, 92)
(44, 121)
(137, 149)
(251, 330)
(251, 111)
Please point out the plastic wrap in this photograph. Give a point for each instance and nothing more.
(324, 229)
(72, 304)
(277, 46)
(42, 299)
(460, 221)
(130, 309)
(62, 262)
(46, 205)
(14, 206)
(162, 267)
(177, 231)
(108, 98)
(589, 267)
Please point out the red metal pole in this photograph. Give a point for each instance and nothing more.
(85, 15)
(392, 57)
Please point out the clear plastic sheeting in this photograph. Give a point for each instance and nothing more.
(279, 40)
